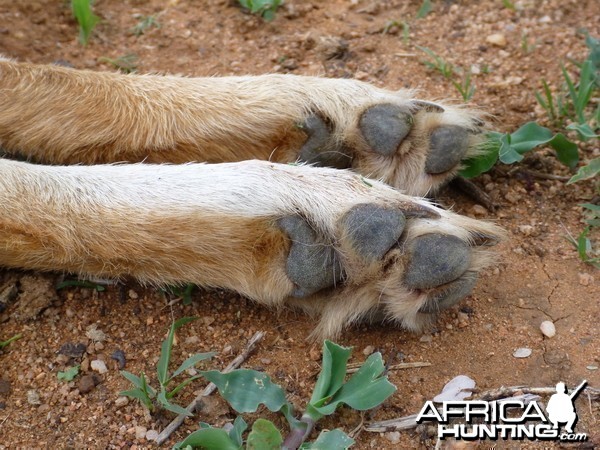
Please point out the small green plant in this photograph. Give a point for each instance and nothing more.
(403, 25)
(181, 292)
(87, 20)
(526, 46)
(437, 63)
(509, 5)
(464, 86)
(8, 341)
(69, 374)
(425, 8)
(126, 63)
(146, 394)
(144, 24)
(459, 77)
(245, 390)
(583, 243)
(264, 8)
(509, 148)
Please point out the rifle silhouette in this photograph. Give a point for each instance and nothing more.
(577, 390)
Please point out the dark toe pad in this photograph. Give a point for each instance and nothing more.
(319, 149)
(311, 265)
(436, 259)
(450, 294)
(385, 127)
(448, 145)
(373, 230)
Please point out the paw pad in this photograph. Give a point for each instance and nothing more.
(385, 126)
(448, 144)
(319, 149)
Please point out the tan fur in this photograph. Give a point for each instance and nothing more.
(213, 225)
(63, 116)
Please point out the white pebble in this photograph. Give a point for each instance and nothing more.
(497, 39)
(121, 401)
(140, 432)
(368, 350)
(151, 435)
(99, 366)
(522, 353)
(393, 437)
(591, 367)
(547, 328)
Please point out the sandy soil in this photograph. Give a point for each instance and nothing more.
(539, 276)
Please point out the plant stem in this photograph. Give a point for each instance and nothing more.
(297, 435)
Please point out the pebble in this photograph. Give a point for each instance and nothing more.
(522, 353)
(497, 39)
(426, 338)
(479, 211)
(140, 432)
(368, 350)
(93, 333)
(547, 328)
(4, 387)
(591, 367)
(99, 366)
(585, 279)
(33, 398)
(393, 437)
(132, 294)
(527, 230)
(121, 401)
(151, 435)
(86, 384)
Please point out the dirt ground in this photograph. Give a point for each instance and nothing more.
(538, 277)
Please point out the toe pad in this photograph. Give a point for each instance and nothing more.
(448, 145)
(385, 127)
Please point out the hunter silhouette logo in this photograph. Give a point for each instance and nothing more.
(508, 418)
(561, 408)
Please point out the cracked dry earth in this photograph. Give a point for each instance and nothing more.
(538, 276)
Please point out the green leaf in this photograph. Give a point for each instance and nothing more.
(235, 434)
(181, 385)
(162, 399)
(425, 9)
(246, 389)
(590, 170)
(192, 361)
(162, 367)
(69, 374)
(528, 137)
(507, 154)
(484, 162)
(330, 440)
(364, 390)
(264, 436)
(209, 439)
(140, 395)
(333, 372)
(86, 19)
(584, 131)
(8, 341)
(80, 283)
(134, 379)
(566, 151)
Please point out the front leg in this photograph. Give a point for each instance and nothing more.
(327, 241)
(59, 115)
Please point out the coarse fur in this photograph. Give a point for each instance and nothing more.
(210, 224)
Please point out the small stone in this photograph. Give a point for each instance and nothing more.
(591, 367)
(585, 279)
(368, 350)
(426, 338)
(151, 435)
(132, 294)
(86, 384)
(140, 432)
(99, 366)
(121, 401)
(479, 211)
(33, 398)
(547, 328)
(72, 350)
(4, 387)
(393, 437)
(99, 346)
(93, 333)
(497, 39)
(522, 352)
(265, 361)
(192, 340)
(526, 230)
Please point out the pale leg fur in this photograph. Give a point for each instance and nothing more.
(58, 115)
(214, 225)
